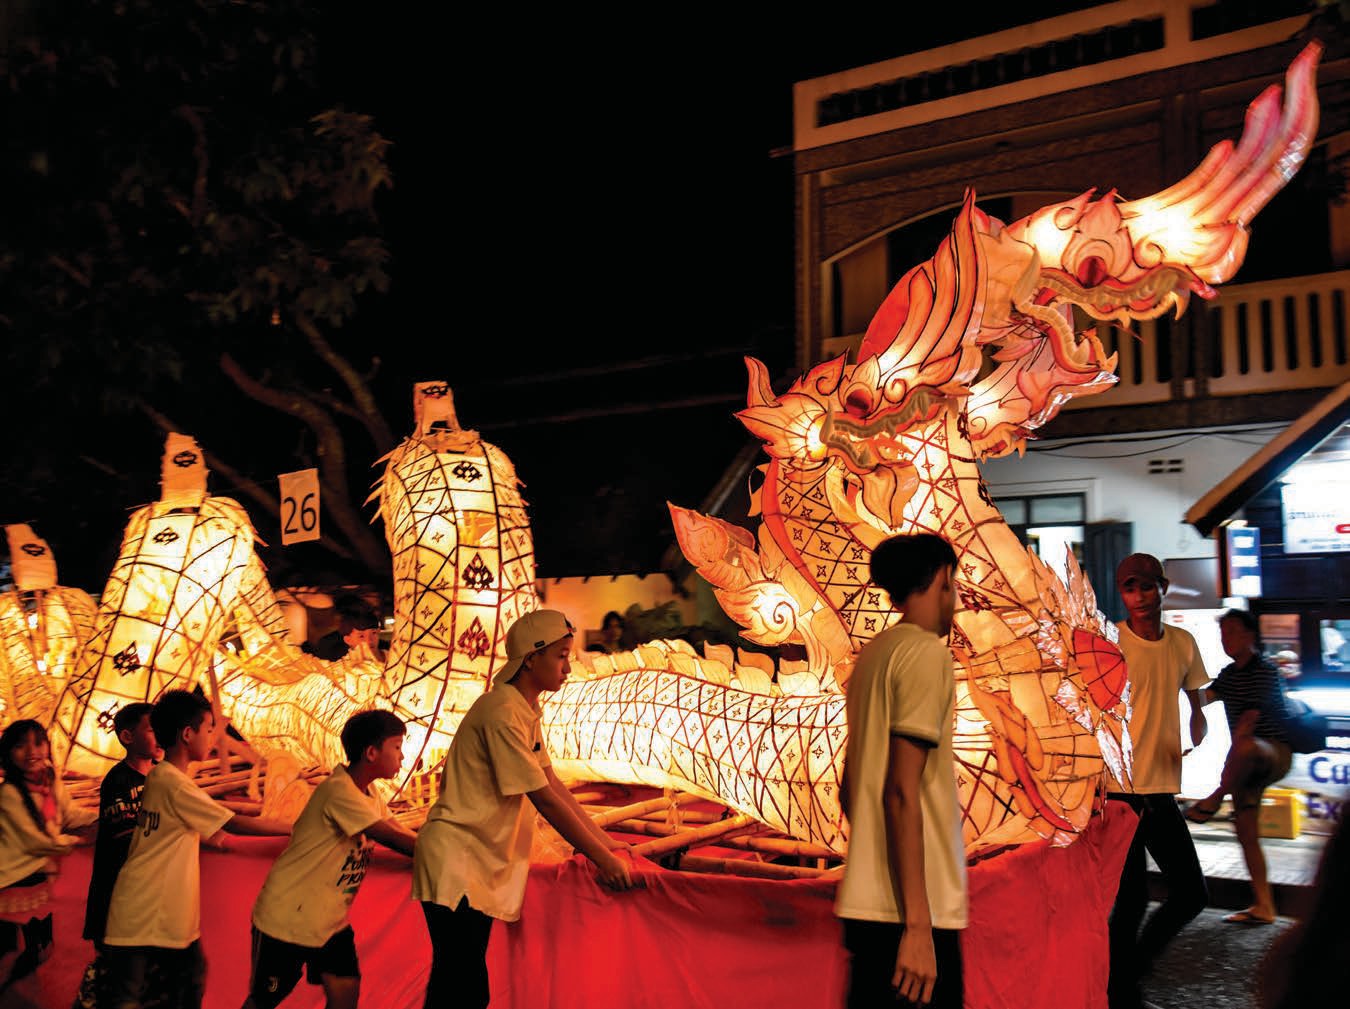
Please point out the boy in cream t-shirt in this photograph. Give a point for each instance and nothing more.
(473, 853)
(301, 916)
(155, 914)
(903, 896)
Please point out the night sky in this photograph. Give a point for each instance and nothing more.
(591, 224)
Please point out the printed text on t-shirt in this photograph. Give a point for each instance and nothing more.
(148, 821)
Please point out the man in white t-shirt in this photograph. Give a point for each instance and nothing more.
(1162, 662)
(301, 918)
(154, 917)
(903, 895)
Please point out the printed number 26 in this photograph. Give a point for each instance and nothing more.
(309, 517)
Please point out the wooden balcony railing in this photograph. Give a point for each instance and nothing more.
(1264, 337)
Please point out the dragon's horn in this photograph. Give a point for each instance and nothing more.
(1201, 221)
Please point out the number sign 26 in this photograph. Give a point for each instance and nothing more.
(299, 506)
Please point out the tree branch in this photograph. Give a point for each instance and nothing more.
(189, 115)
(368, 411)
(332, 454)
(333, 403)
(65, 267)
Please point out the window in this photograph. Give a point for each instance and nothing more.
(1049, 524)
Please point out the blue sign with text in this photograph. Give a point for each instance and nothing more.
(1242, 557)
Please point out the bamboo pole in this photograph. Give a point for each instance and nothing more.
(584, 797)
(226, 783)
(686, 815)
(648, 827)
(639, 809)
(783, 847)
(689, 838)
(745, 867)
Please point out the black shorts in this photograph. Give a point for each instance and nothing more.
(277, 964)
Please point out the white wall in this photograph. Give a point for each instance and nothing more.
(1112, 472)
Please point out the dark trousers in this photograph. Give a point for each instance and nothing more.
(151, 975)
(872, 946)
(1162, 831)
(459, 942)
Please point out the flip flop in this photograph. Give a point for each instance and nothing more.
(1197, 813)
(1247, 918)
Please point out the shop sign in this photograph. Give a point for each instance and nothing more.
(1316, 516)
(1322, 807)
(1242, 561)
(1327, 773)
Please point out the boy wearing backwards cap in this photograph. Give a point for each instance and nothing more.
(473, 853)
(1161, 661)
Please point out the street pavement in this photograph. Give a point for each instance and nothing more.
(1211, 964)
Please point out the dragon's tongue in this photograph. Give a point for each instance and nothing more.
(886, 491)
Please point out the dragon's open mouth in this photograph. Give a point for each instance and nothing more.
(1161, 290)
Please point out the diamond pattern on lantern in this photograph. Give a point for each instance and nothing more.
(477, 575)
(467, 472)
(474, 641)
(128, 660)
(165, 536)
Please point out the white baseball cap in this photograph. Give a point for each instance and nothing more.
(527, 635)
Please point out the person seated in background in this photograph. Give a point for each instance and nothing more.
(1260, 755)
(358, 624)
(611, 635)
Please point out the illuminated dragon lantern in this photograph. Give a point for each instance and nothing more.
(463, 570)
(43, 628)
(188, 605)
(970, 353)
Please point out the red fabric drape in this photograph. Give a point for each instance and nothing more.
(1037, 936)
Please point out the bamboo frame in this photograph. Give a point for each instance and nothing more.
(699, 835)
(640, 809)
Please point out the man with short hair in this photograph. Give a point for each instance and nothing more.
(903, 895)
(1162, 661)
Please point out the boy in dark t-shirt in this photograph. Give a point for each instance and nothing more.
(119, 801)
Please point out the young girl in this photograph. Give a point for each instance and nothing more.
(34, 809)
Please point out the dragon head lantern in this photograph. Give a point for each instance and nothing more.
(967, 356)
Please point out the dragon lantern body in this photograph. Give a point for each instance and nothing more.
(968, 355)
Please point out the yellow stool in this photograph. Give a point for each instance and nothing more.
(1281, 813)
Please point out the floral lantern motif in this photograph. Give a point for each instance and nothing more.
(43, 627)
(463, 569)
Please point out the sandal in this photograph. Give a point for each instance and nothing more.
(1196, 812)
(1247, 917)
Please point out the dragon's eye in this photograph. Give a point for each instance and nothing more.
(858, 402)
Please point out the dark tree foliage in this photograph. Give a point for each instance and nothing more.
(189, 225)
